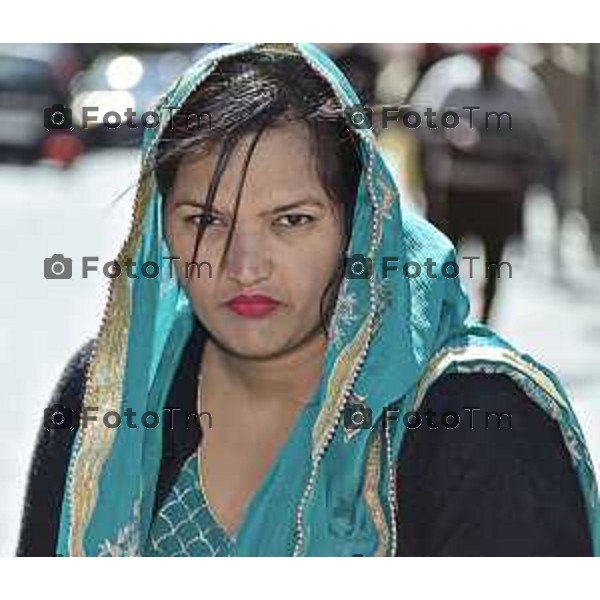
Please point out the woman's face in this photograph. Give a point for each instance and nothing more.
(284, 250)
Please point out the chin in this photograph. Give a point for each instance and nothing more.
(252, 341)
(251, 349)
(260, 339)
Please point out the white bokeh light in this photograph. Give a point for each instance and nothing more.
(124, 72)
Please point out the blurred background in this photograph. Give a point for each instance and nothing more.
(529, 196)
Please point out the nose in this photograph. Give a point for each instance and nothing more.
(248, 260)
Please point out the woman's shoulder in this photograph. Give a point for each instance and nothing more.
(48, 467)
(487, 472)
(484, 415)
(472, 395)
(71, 385)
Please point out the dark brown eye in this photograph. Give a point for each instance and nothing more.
(203, 220)
(293, 220)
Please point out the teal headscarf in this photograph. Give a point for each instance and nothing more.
(331, 490)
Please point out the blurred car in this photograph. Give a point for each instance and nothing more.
(28, 88)
(63, 59)
(116, 83)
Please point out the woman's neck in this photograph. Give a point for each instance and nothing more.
(287, 378)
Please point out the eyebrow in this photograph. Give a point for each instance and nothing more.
(296, 204)
(277, 209)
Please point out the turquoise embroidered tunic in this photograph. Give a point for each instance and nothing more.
(185, 525)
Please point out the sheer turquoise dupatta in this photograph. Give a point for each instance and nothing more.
(331, 492)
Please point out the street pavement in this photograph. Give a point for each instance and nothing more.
(77, 213)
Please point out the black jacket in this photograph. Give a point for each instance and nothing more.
(475, 490)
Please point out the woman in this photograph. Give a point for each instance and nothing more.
(287, 348)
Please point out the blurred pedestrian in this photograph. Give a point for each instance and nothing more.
(478, 166)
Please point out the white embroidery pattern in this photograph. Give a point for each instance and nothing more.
(343, 317)
(127, 543)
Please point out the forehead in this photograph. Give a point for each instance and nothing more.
(283, 162)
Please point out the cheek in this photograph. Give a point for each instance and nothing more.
(312, 271)
(172, 233)
(179, 238)
(201, 291)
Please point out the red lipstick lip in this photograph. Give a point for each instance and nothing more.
(254, 306)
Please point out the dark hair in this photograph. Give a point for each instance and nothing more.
(245, 95)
